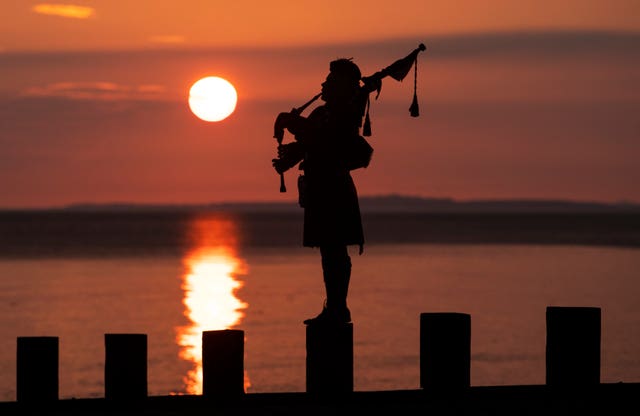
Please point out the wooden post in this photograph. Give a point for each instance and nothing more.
(37, 369)
(125, 366)
(445, 350)
(330, 358)
(573, 346)
(223, 363)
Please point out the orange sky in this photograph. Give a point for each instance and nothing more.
(534, 101)
(117, 24)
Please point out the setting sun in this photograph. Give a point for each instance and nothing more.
(212, 98)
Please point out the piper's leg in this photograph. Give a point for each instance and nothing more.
(336, 272)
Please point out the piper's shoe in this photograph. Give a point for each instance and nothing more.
(330, 316)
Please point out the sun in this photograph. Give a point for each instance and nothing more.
(212, 98)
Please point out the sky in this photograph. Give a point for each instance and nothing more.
(518, 99)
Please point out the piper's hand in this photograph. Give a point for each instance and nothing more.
(282, 122)
(286, 116)
(288, 156)
(292, 152)
(279, 165)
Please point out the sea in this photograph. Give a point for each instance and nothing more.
(79, 274)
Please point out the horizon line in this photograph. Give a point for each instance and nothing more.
(362, 198)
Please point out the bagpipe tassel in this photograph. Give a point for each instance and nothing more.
(414, 110)
(366, 127)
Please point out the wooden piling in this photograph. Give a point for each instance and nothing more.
(125, 367)
(37, 369)
(445, 350)
(573, 346)
(329, 358)
(223, 363)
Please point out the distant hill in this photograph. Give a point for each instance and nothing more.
(391, 204)
(399, 203)
(127, 229)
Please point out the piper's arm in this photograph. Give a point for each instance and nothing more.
(295, 123)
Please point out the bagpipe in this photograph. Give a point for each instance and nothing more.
(278, 132)
(398, 70)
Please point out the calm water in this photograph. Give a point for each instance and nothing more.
(81, 276)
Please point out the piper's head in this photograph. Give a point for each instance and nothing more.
(342, 83)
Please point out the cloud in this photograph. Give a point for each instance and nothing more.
(168, 39)
(64, 10)
(100, 90)
(549, 44)
(543, 44)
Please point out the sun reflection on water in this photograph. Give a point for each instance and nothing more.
(210, 283)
